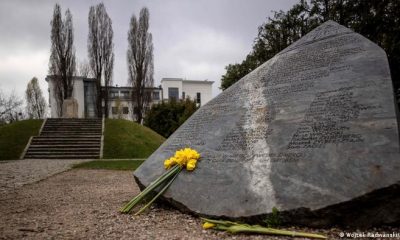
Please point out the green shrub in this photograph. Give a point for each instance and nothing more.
(166, 117)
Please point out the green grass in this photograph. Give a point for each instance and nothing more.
(127, 139)
(15, 136)
(111, 165)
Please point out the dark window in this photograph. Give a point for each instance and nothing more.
(125, 94)
(173, 93)
(125, 110)
(114, 94)
(183, 95)
(156, 95)
(114, 110)
(198, 98)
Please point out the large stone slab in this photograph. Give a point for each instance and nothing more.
(312, 132)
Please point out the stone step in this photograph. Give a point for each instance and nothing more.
(64, 145)
(87, 143)
(61, 151)
(72, 125)
(37, 156)
(67, 132)
(67, 138)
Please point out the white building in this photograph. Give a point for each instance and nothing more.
(84, 92)
(178, 88)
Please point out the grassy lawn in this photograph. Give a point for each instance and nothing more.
(111, 165)
(15, 136)
(127, 139)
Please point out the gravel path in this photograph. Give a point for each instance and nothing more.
(16, 173)
(83, 204)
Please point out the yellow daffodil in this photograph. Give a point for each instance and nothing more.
(185, 158)
(208, 225)
(191, 165)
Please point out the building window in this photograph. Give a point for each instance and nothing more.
(173, 93)
(125, 110)
(114, 94)
(125, 94)
(156, 95)
(198, 98)
(183, 95)
(114, 110)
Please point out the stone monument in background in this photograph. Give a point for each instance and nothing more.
(70, 108)
(311, 132)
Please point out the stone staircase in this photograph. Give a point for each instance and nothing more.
(67, 138)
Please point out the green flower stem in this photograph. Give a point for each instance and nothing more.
(150, 188)
(159, 193)
(233, 227)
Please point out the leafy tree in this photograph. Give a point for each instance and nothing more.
(101, 54)
(140, 63)
(166, 117)
(376, 20)
(35, 102)
(62, 57)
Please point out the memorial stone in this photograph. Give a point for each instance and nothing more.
(311, 132)
(70, 108)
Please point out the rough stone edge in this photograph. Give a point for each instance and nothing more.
(383, 201)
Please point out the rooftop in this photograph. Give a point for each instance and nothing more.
(189, 81)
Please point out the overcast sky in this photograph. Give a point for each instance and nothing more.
(192, 39)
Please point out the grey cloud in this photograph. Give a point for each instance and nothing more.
(192, 39)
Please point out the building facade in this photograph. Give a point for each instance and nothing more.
(84, 91)
(178, 88)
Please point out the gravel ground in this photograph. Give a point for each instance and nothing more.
(83, 204)
(16, 173)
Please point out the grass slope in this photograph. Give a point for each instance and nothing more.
(15, 136)
(111, 164)
(127, 139)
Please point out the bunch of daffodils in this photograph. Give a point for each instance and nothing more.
(184, 158)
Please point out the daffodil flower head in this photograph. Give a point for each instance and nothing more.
(185, 158)
(208, 225)
(191, 165)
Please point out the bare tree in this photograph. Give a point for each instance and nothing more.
(108, 70)
(35, 102)
(84, 69)
(62, 58)
(101, 56)
(140, 63)
(10, 107)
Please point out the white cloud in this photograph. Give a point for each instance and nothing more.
(17, 68)
(200, 54)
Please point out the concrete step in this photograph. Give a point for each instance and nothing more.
(61, 156)
(67, 139)
(70, 143)
(70, 147)
(67, 132)
(64, 152)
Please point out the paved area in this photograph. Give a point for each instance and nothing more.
(16, 173)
